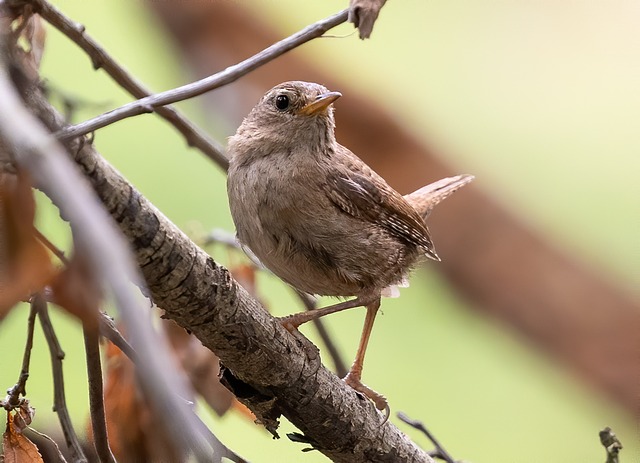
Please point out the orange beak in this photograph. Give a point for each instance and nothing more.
(320, 104)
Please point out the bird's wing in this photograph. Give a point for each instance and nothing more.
(359, 196)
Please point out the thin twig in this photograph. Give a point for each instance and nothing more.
(108, 330)
(194, 136)
(52, 247)
(231, 74)
(20, 388)
(96, 396)
(54, 443)
(439, 451)
(59, 398)
(37, 151)
(228, 239)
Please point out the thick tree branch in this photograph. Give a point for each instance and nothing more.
(273, 372)
(232, 73)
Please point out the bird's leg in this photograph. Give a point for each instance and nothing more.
(354, 376)
(292, 322)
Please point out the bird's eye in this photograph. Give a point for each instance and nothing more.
(282, 102)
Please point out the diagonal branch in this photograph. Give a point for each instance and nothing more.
(273, 372)
(101, 59)
(231, 74)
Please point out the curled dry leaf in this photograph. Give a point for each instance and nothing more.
(29, 36)
(17, 448)
(25, 264)
(131, 423)
(77, 290)
(24, 415)
(363, 15)
(201, 366)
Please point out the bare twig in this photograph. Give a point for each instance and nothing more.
(108, 330)
(439, 451)
(231, 74)
(96, 396)
(35, 150)
(59, 399)
(50, 246)
(19, 389)
(611, 443)
(52, 442)
(101, 59)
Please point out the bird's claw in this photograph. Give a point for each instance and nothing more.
(378, 399)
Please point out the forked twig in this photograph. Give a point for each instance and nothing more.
(439, 451)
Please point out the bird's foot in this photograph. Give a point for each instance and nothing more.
(378, 399)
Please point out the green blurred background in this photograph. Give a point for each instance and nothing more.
(538, 99)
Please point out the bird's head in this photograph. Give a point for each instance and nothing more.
(290, 114)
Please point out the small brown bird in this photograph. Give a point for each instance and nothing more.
(317, 216)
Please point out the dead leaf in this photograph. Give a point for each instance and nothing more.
(29, 35)
(245, 274)
(131, 424)
(25, 264)
(363, 15)
(77, 290)
(201, 366)
(24, 415)
(17, 448)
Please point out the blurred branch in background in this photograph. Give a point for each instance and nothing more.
(568, 310)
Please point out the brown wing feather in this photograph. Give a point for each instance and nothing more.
(367, 196)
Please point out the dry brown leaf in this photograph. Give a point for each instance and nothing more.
(17, 448)
(25, 264)
(29, 35)
(76, 289)
(134, 435)
(245, 274)
(201, 366)
(363, 14)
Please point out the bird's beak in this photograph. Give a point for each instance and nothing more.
(321, 103)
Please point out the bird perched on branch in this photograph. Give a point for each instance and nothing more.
(317, 216)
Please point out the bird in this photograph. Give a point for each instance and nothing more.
(318, 217)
